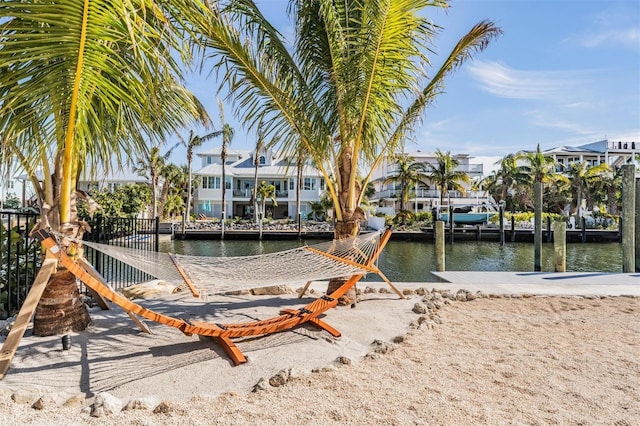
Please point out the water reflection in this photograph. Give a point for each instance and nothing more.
(413, 261)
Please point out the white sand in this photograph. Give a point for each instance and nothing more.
(547, 360)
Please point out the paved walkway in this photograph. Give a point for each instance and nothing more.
(539, 283)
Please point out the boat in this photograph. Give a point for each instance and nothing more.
(469, 215)
(468, 218)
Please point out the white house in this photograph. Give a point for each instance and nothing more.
(426, 196)
(239, 175)
(613, 153)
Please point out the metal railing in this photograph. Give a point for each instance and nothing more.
(21, 259)
(139, 234)
(21, 255)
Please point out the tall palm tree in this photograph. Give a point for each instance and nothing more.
(256, 167)
(339, 93)
(445, 175)
(409, 173)
(194, 142)
(227, 135)
(88, 82)
(349, 89)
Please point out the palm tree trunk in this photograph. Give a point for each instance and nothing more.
(61, 308)
(345, 229)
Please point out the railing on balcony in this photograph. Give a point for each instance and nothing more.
(248, 193)
(428, 193)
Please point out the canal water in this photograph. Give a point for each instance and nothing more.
(413, 260)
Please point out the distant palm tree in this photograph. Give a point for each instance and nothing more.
(584, 180)
(540, 168)
(256, 165)
(150, 165)
(227, 135)
(445, 176)
(266, 192)
(194, 142)
(408, 173)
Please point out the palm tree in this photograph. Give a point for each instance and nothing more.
(583, 179)
(445, 176)
(256, 165)
(150, 166)
(194, 142)
(540, 168)
(266, 192)
(408, 173)
(88, 82)
(347, 92)
(339, 92)
(227, 135)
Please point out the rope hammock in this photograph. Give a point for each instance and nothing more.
(333, 259)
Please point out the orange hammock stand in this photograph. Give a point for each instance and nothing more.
(222, 333)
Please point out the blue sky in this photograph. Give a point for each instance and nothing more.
(565, 72)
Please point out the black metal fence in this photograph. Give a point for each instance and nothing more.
(140, 234)
(21, 259)
(21, 256)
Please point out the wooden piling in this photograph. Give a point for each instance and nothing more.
(628, 220)
(560, 246)
(537, 228)
(440, 246)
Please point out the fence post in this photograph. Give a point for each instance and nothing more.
(156, 234)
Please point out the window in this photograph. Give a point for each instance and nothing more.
(262, 160)
(309, 184)
(227, 182)
(321, 184)
(292, 185)
(209, 160)
(210, 182)
(10, 184)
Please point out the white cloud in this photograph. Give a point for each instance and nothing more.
(510, 83)
(627, 38)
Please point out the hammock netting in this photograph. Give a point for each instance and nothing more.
(333, 259)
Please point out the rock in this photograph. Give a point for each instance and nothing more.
(373, 355)
(76, 400)
(421, 291)
(368, 290)
(281, 378)
(419, 308)
(261, 385)
(272, 290)
(25, 396)
(384, 290)
(343, 360)
(148, 290)
(407, 291)
(141, 404)
(105, 405)
(382, 347)
(164, 407)
(471, 296)
(43, 402)
(399, 339)
(296, 373)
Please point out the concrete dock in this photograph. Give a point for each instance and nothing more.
(538, 283)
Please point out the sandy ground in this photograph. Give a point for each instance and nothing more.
(538, 360)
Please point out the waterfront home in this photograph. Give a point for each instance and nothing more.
(273, 169)
(613, 153)
(426, 196)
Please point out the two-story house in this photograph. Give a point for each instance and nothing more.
(240, 177)
(426, 196)
(608, 152)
